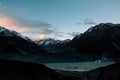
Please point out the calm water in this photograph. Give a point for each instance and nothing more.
(79, 66)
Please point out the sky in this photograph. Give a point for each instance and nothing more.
(58, 19)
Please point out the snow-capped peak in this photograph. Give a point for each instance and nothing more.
(50, 41)
(9, 33)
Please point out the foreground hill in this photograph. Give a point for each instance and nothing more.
(111, 72)
(16, 70)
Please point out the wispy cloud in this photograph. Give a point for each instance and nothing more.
(45, 30)
(34, 23)
(87, 21)
(39, 27)
(73, 34)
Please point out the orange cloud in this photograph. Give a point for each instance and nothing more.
(38, 37)
(42, 36)
(12, 24)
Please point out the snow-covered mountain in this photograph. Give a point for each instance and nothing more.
(53, 46)
(102, 40)
(13, 42)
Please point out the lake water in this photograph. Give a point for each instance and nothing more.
(78, 66)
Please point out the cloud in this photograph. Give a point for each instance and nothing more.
(19, 24)
(23, 26)
(44, 30)
(59, 35)
(41, 37)
(87, 21)
(12, 24)
(9, 20)
(73, 34)
(34, 23)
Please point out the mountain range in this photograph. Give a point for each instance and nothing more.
(99, 42)
(53, 46)
(102, 40)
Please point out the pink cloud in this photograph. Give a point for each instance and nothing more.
(12, 24)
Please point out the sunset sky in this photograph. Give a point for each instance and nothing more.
(58, 19)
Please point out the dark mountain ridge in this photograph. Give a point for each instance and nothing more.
(102, 40)
(13, 42)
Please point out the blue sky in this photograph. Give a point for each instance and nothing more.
(59, 19)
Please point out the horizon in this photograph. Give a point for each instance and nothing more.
(57, 19)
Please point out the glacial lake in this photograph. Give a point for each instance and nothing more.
(78, 66)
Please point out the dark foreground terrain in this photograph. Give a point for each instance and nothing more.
(111, 72)
(17, 70)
